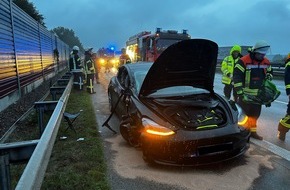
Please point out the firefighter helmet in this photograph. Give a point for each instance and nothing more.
(261, 47)
(76, 48)
(88, 49)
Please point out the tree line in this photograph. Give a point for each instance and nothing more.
(67, 35)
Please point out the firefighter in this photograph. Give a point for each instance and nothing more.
(227, 69)
(250, 72)
(124, 58)
(284, 124)
(75, 60)
(90, 70)
(76, 67)
(95, 59)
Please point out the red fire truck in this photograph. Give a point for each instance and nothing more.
(147, 46)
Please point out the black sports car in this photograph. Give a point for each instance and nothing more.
(170, 110)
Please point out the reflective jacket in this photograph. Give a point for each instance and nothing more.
(249, 74)
(89, 65)
(74, 61)
(228, 65)
(287, 76)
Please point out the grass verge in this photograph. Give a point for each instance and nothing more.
(75, 163)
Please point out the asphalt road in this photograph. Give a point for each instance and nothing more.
(264, 166)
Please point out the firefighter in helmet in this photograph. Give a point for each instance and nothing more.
(76, 68)
(249, 74)
(227, 69)
(90, 70)
(75, 60)
(124, 58)
(284, 124)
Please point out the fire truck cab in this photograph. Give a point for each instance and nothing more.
(147, 46)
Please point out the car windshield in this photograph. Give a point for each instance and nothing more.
(169, 91)
(139, 78)
(162, 44)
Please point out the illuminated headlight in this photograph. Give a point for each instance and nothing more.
(154, 129)
(242, 117)
(102, 61)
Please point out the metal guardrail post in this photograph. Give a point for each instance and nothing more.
(5, 172)
(35, 169)
(14, 152)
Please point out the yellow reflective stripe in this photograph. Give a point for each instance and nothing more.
(284, 123)
(251, 91)
(240, 92)
(240, 67)
(226, 80)
(253, 129)
(287, 64)
(269, 68)
(206, 126)
(247, 78)
(239, 84)
(287, 86)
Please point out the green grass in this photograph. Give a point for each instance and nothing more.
(78, 164)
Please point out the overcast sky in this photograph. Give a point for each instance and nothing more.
(101, 23)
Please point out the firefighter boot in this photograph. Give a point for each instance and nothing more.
(283, 127)
(282, 132)
(256, 136)
(252, 126)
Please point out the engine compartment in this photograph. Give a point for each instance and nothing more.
(199, 112)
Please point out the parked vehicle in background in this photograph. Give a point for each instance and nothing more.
(170, 110)
(147, 46)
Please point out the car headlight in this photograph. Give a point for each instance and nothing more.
(154, 129)
(102, 61)
(242, 117)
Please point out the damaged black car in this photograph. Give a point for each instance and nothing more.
(170, 110)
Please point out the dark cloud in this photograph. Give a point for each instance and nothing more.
(101, 23)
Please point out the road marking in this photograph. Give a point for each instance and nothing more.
(281, 102)
(273, 148)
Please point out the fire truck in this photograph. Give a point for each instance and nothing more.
(147, 46)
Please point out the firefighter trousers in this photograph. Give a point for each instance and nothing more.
(228, 88)
(90, 83)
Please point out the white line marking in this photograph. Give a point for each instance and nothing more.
(281, 102)
(273, 148)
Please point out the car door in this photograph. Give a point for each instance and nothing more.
(121, 82)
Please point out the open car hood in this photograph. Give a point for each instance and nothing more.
(188, 62)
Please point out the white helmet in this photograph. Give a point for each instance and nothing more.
(261, 47)
(76, 48)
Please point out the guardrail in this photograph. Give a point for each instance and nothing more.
(34, 172)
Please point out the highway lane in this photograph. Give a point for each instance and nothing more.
(269, 119)
(258, 169)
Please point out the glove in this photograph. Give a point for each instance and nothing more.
(268, 105)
